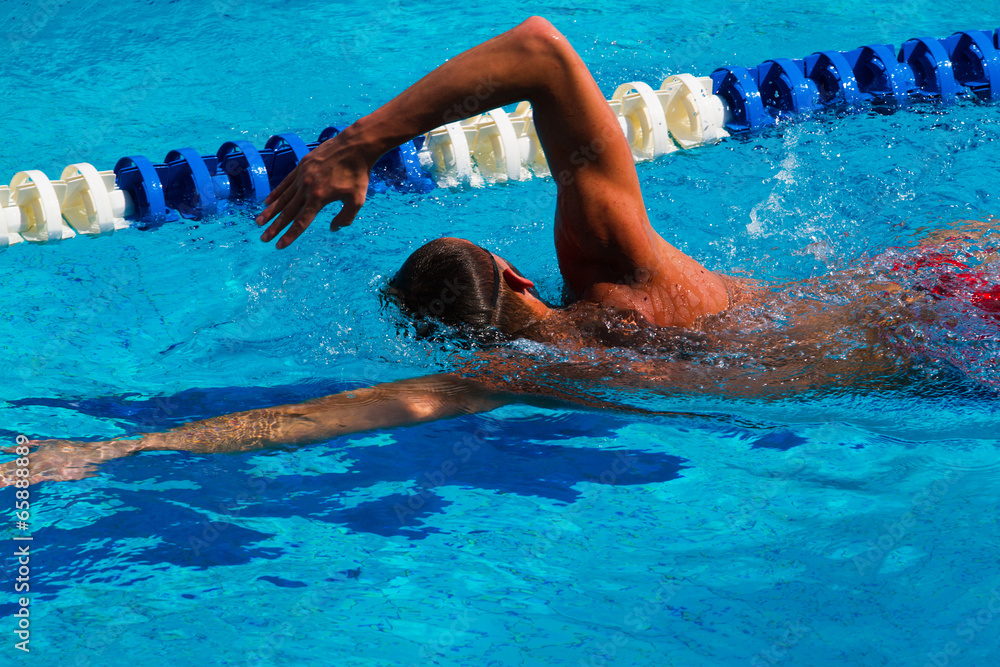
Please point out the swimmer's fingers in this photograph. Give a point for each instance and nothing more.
(50, 462)
(279, 206)
(9, 476)
(304, 210)
(273, 200)
(347, 214)
(280, 190)
(289, 211)
(59, 460)
(304, 217)
(330, 173)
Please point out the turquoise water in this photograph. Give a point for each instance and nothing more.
(840, 528)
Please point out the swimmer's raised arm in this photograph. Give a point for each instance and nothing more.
(531, 62)
(608, 251)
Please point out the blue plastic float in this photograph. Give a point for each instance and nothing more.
(834, 79)
(242, 163)
(754, 97)
(733, 100)
(976, 62)
(931, 68)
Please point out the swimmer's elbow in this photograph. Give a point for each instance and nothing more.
(423, 409)
(538, 26)
(450, 396)
(394, 404)
(540, 38)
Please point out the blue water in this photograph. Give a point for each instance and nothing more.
(830, 529)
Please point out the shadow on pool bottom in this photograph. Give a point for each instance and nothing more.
(202, 524)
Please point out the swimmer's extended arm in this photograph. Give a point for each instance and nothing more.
(387, 405)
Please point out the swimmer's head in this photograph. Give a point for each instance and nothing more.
(464, 285)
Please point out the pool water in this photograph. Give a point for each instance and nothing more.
(835, 528)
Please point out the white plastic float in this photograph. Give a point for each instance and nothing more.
(489, 141)
(640, 114)
(694, 115)
(532, 155)
(682, 113)
(91, 204)
(494, 147)
(34, 211)
(448, 150)
(83, 201)
(10, 220)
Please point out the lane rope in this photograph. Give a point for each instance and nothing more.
(685, 112)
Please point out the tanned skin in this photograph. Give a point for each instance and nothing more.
(608, 252)
(609, 255)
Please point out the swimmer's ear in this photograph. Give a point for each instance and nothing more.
(517, 282)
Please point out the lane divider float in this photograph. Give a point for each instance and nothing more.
(683, 113)
(686, 112)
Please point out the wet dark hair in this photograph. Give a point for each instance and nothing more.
(458, 283)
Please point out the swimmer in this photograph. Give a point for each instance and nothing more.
(629, 288)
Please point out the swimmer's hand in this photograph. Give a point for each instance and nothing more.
(531, 62)
(338, 170)
(60, 460)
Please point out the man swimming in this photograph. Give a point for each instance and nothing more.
(630, 289)
(602, 232)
